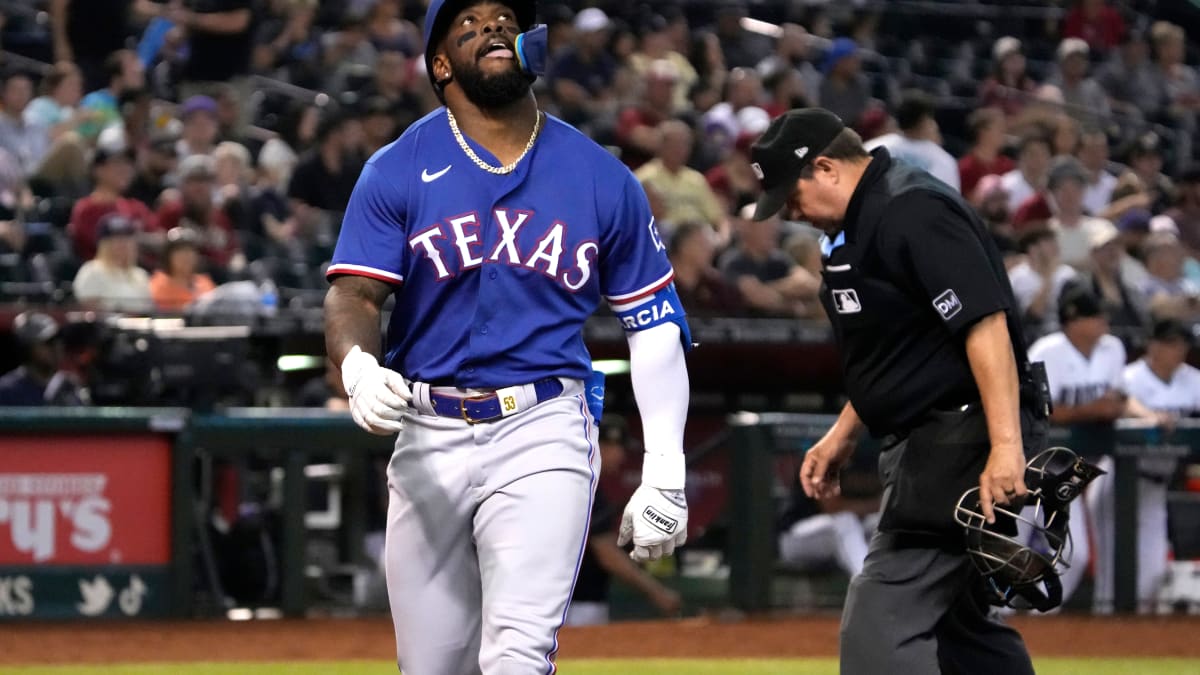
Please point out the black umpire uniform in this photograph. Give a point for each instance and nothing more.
(910, 271)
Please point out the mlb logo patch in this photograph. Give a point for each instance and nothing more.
(947, 304)
(845, 300)
(758, 171)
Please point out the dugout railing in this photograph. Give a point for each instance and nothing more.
(101, 517)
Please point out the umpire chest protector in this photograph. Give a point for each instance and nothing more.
(903, 354)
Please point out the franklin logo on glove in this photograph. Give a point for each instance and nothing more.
(660, 521)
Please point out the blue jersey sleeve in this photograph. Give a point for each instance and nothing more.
(372, 242)
(634, 261)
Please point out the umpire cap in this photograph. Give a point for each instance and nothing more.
(786, 147)
(442, 12)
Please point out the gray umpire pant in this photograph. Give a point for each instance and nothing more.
(918, 608)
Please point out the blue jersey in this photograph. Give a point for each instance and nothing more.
(495, 275)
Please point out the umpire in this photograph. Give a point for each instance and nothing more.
(934, 364)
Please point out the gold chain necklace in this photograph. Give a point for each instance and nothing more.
(499, 170)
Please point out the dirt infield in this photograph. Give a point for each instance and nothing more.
(337, 639)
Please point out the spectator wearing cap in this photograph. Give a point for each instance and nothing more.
(1010, 86)
(1098, 25)
(1128, 78)
(918, 141)
(125, 73)
(581, 76)
(178, 282)
(112, 280)
(702, 288)
(1070, 223)
(686, 194)
(1178, 83)
(112, 174)
(1038, 280)
(988, 128)
(637, 125)
(1083, 96)
(195, 208)
(1168, 291)
(845, 91)
(38, 338)
(1093, 156)
(1029, 176)
(656, 44)
(769, 282)
(27, 143)
(1164, 382)
(200, 126)
(1186, 210)
(1133, 227)
(1105, 277)
(154, 164)
(220, 37)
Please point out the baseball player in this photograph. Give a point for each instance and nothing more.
(1167, 385)
(1084, 366)
(498, 230)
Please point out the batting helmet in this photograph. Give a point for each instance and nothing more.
(442, 12)
(1019, 574)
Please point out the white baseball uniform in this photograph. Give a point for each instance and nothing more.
(1181, 396)
(1074, 380)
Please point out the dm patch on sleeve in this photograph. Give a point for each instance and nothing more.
(948, 304)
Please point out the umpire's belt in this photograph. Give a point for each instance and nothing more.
(487, 406)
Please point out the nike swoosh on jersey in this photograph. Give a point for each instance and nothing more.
(430, 177)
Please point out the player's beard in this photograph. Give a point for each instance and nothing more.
(491, 91)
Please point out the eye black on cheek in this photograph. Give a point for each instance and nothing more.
(467, 37)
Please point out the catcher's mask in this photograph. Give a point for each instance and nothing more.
(1018, 574)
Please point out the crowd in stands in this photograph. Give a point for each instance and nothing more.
(164, 148)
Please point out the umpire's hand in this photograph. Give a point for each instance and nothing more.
(378, 396)
(823, 463)
(1003, 478)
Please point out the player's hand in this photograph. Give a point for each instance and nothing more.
(1003, 478)
(655, 521)
(378, 395)
(822, 464)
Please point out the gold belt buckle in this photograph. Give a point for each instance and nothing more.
(462, 407)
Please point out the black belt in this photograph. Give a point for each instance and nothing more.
(488, 407)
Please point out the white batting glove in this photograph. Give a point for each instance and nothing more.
(378, 395)
(655, 521)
